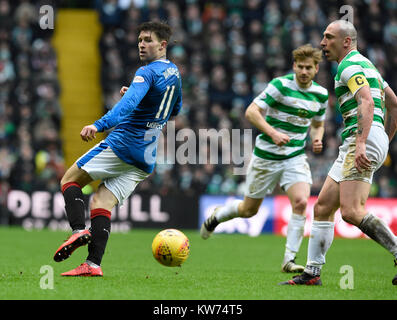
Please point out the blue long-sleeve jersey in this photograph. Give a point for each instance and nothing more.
(154, 95)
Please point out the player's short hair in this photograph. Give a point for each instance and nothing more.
(161, 29)
(307, 51)
(347, 29)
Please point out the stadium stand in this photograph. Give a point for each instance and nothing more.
(31, 156)
(227, 52)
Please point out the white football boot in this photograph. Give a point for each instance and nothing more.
(209, 225)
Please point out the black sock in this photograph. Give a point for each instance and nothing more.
(100, 232)
(74, 205)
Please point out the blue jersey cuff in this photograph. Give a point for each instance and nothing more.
(98, 126)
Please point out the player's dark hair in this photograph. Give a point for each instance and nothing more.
(161, 29)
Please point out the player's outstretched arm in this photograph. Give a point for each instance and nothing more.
(254, 115)
(391, 113)
(88, 132)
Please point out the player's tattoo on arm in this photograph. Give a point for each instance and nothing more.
(364, 113)
(359, 115)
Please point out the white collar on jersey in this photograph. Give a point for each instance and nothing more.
(162, 60)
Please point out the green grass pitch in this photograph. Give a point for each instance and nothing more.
(225, 267)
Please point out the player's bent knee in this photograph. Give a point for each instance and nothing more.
(74, 174)
(103, 198)
(97, 202)
(347, 217)
(350, 215)
(64, 183)
(321, 211)
(64, 180)
(299, 205)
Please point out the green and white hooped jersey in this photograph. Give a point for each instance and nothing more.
(354, 72)
(290, 110)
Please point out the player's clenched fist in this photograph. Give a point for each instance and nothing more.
(280, 138)
(123, 90)
(317, 146)
(88, 132)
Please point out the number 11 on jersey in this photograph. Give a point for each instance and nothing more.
(167, 97)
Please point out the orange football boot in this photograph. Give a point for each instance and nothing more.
(72, 243)
(84, 270)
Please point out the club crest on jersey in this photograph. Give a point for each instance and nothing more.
(303, 113)
(139, 79)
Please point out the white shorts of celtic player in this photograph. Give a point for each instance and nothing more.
(263, 175)
(377, 146)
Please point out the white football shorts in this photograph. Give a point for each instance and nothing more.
(263, 175)
(377, 146)
(121, 178)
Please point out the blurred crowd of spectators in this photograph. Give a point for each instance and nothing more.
(227, 51)
(30, 113)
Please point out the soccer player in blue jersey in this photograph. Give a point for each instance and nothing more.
(128, 154)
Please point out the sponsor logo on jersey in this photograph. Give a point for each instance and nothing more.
(155, 125)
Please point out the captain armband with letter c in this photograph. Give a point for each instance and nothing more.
(356, 82)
